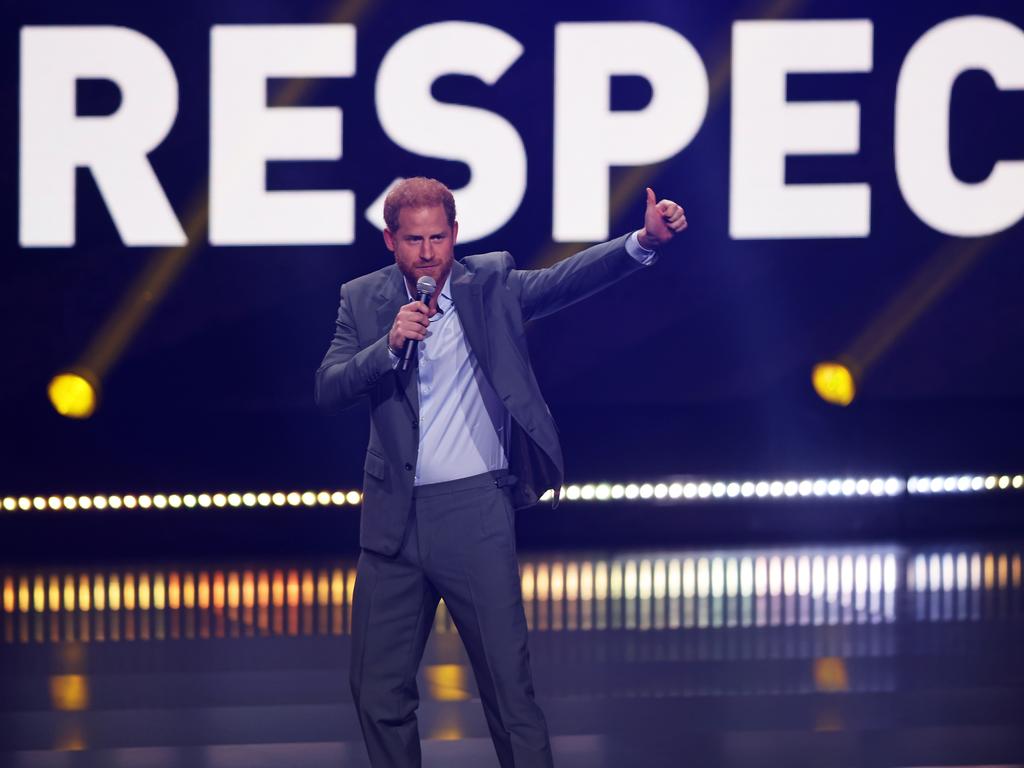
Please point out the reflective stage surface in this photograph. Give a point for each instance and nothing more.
(839, 656)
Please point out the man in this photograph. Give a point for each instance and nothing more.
(457, 443)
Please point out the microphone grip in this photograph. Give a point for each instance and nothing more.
(407, 352)
(409, 348)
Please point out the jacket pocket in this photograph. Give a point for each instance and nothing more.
(375, 465)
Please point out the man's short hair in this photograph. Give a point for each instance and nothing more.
(417, 192)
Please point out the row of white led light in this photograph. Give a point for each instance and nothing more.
(836, 487)
(963, 483)
(760, 489)
(187, 501)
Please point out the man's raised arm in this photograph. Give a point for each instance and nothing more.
(545, 291)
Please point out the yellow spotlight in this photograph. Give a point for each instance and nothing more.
(834, 383)
(73, 395)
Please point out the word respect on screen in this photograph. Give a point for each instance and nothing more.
(589, 137)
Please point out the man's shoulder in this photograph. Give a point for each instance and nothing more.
(485, 264)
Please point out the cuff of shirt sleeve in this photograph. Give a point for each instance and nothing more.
(643, 255)
(392, 356)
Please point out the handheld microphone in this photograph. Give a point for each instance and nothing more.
(425, 288)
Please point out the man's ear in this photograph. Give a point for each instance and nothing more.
(389, 239)
(455, 232)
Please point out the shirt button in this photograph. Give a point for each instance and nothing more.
(408, 466)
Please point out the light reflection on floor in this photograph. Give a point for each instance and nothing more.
(642, 591)
(906, 655)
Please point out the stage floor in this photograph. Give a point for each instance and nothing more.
(874, 655)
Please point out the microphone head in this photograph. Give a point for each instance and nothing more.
(426, 285)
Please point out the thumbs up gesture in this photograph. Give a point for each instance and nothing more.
(663, 219)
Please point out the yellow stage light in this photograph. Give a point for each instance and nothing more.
(73, 395)
(834, 383)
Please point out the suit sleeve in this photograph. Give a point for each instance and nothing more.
(545, 291)
(347, 372)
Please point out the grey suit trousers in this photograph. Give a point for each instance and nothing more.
(459, 545)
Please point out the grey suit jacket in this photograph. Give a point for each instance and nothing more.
(494, 300)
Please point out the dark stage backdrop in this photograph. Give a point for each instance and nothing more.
(905, 260)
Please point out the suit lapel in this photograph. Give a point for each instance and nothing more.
(393, 297)
(468, 298)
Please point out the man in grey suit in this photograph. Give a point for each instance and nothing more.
(457, 443)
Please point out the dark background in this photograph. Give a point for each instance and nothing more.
(699, 365)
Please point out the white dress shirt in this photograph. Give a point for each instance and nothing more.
(464, 426)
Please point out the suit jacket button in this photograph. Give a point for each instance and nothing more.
(408, 466)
